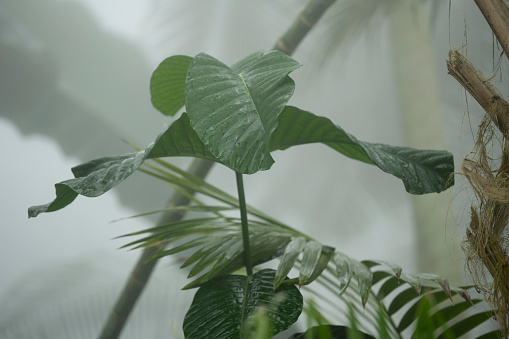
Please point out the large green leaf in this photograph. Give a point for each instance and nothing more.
(167, 84)
(235, 110)
(99, 176)
(221, 308)
(422, 171)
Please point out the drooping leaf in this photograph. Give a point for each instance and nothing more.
(167, 84)
(422, 171)
(234, 111)
(292, 251)
(320, 266)
(344, 270)
(364, 278)
(312, 252)
(221, 306)
(96, 177)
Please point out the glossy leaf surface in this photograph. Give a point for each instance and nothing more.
(222, 306)
(98, 176)
(292, 252)
(422, 171)
(235, 110)
(167, 84)
(312, 252)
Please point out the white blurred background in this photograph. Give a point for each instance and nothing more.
(74, 83)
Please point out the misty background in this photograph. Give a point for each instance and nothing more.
(74, 84)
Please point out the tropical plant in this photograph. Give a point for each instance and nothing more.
(237, 116)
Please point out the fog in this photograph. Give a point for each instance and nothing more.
(75, 85)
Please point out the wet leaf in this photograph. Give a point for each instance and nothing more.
(292, 252)
(235, 110)
(321, 265)
(167, 84)
(364, 278)
(98, 176)
(344, 270)
(222, 306)
(312, 252)
(422, 171)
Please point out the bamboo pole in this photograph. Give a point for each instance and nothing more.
(142, 271)
(496, 14)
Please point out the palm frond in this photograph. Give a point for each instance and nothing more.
(392, 300)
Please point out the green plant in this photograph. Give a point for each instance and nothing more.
(236, 116)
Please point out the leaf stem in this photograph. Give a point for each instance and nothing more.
(245, 227)
(143, 269)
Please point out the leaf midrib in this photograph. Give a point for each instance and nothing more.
(254, 105)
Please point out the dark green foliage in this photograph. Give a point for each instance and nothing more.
(222, 307)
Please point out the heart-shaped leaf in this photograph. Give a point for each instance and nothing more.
(221, 307)
(168, 83)
(235, 110)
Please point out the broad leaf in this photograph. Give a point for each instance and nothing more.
(234, 111)
(328, 332)
(222, 307)
(422, 171)
(167, 84)
(99, 176)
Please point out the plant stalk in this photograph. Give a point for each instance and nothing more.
(143, 269)
(245, 227)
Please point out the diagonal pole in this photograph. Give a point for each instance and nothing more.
(143, 269)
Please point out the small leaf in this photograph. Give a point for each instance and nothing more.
(413, 280)
(422, 171)
(167, 84)
(292, 251)
(442, 282)
(465, 295)
(321, 265)
(364, 278)
(221, 306)
(344, 270)
(394, 268)
(234, 111)
(312, 252)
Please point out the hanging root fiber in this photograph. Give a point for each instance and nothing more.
(487, 242)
